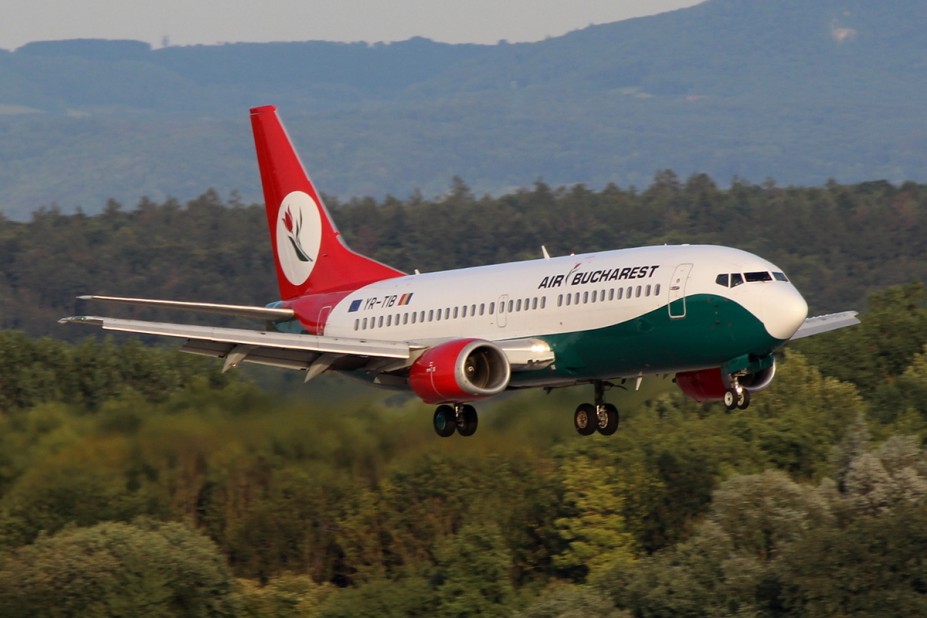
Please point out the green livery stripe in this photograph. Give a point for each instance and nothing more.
(713, 331)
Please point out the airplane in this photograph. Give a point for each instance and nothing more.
(712, 316)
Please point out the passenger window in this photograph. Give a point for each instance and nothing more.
(534, 303)
(656, 290)
(357, 324)
(595, 295)
(647, 291)
(638, 291)
(576, 299)
(431, 315)
(736, 279)
(630, 292)
(511, 305)
(389, 320)
(482, 308)
(722, 280)
(569, 299)
(405, 318)
(380, 322)
(456, 311)
(559, 300)
(620, 293)
(492, 308)
(518, 305)
(543, 302)
(414, 314)
(464, 314)
(365, 324)
(611, 294)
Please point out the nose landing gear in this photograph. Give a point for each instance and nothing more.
(460, 417)
(736, 397)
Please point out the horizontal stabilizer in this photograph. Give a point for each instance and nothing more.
(824, 323)
(244, 311)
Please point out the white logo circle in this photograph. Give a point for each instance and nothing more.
(299, 235)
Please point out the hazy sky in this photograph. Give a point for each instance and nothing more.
(186, 22)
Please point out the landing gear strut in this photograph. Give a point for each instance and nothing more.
(602, 417)
(460, 417)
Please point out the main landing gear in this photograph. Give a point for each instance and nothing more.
(601, 416)
(460, 417)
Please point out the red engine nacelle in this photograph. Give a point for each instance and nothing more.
(460, 370)
(711, 384)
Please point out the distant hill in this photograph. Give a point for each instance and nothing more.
(793, 90)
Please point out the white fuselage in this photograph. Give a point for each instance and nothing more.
(563, 295)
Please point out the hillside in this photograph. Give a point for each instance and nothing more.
(795, 91)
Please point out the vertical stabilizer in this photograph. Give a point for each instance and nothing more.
(309, 253)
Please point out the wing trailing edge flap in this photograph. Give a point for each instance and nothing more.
(824, 323)
(290, 351)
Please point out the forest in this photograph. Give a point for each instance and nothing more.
(132, 476)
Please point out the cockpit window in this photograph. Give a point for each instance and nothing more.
(722, 280)
(736, 279)
(780, 277)
(758, 276)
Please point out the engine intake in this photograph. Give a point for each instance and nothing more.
(460, 370)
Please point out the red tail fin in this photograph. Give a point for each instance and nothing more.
(308, 250)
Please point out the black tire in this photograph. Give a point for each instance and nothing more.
(585, 419)
(610, 425)
(730, 399)
(468, 421)
(445, 421)
(743, 402)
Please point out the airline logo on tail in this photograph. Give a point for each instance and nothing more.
(299, 235)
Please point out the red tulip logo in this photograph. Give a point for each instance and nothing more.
(293, 234)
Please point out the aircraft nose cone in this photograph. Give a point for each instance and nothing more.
(786, 312)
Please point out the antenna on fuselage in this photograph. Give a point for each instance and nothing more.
(544, 252)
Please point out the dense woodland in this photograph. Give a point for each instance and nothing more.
(134, 476)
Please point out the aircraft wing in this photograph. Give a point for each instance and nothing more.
(311, 353)
(824, 323)
(244, 311)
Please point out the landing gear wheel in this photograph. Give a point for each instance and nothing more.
(467, 420)
(445, 421)
(744, 400)
(731, 398)
(607, 419)
(585, 419)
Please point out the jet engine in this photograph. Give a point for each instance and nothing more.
(711, 384)
(460, 370)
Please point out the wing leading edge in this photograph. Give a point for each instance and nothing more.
(243, 311)
(310, 353)
(824, 323)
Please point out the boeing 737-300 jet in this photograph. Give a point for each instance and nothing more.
(712, 316)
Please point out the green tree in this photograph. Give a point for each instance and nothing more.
(117, 569)
(594, 526)
(471, 573)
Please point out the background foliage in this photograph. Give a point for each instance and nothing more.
(135, 476)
